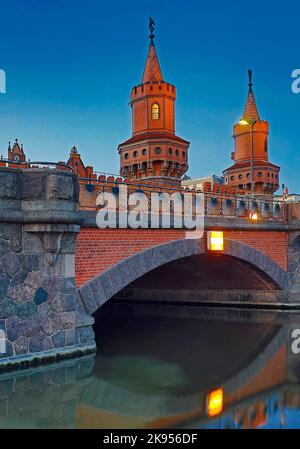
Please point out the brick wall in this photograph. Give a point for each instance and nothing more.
(99, 249)
(273, 244)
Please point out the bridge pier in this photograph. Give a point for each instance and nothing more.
(41, 316)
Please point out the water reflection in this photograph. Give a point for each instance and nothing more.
(155, 367)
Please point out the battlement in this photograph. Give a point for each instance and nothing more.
(153, 88)
(260, 126)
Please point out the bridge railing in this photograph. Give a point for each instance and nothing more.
(6, 163)
(216, 204)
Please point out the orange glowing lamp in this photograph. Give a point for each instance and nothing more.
(214, 404)
(253, 216)
(215, 240)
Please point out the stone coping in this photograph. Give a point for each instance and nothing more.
(46, 356)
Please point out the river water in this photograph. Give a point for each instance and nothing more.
(157, 366)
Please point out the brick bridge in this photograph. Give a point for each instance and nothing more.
(259, 264)
(47, 242)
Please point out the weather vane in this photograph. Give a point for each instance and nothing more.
(250, 77)
(151, 27)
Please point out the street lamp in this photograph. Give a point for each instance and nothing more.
(251, 123)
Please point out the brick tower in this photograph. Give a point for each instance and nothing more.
(154, 153)
(265, 174)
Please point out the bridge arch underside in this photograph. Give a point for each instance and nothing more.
(183, 270)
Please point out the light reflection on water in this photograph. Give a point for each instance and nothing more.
(155, 367)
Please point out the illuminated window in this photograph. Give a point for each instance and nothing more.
(155, 111)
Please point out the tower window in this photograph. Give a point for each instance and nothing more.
(170, 150)
(240, 176)
(155, 111)
(183, 154)
(157, 150)
(259, 174)
(126, 156)
(135, 154)
(177, 152)
(144, 151)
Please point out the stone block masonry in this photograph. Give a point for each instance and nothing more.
(40, 312)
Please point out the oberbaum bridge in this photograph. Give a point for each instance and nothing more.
(57, 267)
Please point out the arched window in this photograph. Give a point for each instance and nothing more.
(155, 111)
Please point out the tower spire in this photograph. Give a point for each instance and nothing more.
(250, 77)
(151, 29)
(152, 71)
(250, 111)
(154, 154)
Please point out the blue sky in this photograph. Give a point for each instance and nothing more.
(71, 64)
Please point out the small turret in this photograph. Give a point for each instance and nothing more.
(266, 174)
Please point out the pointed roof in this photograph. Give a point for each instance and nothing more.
(250, 111)
(16, 147)
(152, 71)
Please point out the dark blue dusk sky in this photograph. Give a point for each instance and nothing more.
(71, 64)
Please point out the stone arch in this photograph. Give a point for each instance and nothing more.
(104, 286)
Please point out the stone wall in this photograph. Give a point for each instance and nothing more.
(40, 312)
